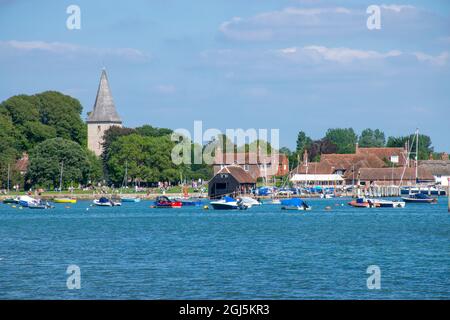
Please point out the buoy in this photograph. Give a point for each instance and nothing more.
(14, 206)
(328, 208)
(152, 207)
(67, 207)
(87, 209)
(205, 207)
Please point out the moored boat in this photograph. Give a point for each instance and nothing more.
(130, 199)
(226, 203)
(65, 200)
(103, 202)
(363, 203)
(419, 198)
(295, 204)
(165, 202)
(389, 204)
(11, 201)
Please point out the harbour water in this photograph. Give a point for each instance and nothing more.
(135, 252)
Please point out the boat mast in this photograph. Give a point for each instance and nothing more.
(9, 176)
(417, 155)
(60, 176)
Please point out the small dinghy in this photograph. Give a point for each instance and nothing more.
(11, 201)
(295, 204)
(130, 199)
(65, 200)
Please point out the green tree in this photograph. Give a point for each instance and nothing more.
(344, 139)
(149, 131)
(425, 145)
(148, 159)
(372, 138)
(303, 143)
(46, 159)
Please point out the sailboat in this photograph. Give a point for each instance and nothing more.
(10, 200)
(417, 197)
(125, 182)
(63, 199)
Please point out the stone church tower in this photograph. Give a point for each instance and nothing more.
(103, 117)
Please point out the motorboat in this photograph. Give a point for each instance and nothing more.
(40, 205)
(190, 202)
(165, 202)
(295, 204)
(227, 203)
(419, 198)
(26, 201)
(103, 202)
(364, 203)
(65, 200)
(389, 204)
(248, 202)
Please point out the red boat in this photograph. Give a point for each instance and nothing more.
(164, 202)
(363, 203)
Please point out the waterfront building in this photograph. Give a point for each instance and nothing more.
(103, 116)
(258, 165)
(231, 180)
(440, 169)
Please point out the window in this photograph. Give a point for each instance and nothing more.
(246, 167)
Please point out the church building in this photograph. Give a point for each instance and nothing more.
(103, 117)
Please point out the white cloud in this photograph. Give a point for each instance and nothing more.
(286, 22)
(339, 55)
(61, 48)
(439, 60)
(397, 8)
(165, 89)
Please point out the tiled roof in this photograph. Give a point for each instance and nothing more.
(373, 174)
(238, 173)
(384, 153)
(436, 167)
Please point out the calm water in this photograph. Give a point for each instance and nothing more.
(135, 252)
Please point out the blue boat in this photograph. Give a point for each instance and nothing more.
(295, 204)
(419, 198)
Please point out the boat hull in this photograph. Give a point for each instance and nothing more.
(224, 206)
(64, 200)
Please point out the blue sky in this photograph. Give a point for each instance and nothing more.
(294, 65)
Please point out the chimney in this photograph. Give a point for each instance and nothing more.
(445, 156)
(357, 148)
(431, 157)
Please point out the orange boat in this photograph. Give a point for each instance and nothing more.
(363, 203)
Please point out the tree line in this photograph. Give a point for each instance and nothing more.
(49, 128)
(344, 140)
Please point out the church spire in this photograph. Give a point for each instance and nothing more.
(104, 108)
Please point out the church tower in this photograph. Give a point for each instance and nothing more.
(103, 117)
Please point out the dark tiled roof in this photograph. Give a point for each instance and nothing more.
(238, 173)
(104, 108)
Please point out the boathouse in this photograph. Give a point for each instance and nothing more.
(231, 180)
